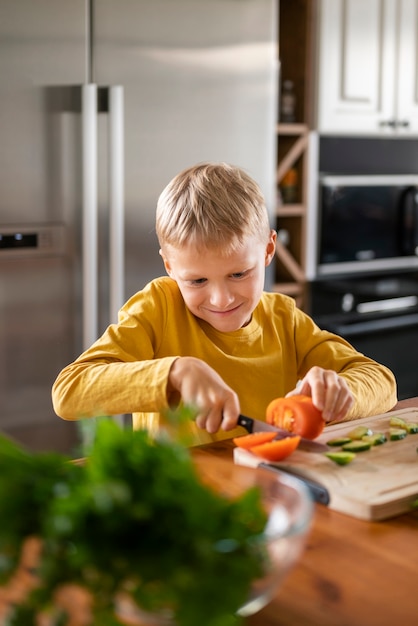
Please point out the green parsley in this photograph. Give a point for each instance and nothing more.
(133, 518)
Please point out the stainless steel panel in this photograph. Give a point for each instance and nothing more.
(43, 55)
(33, 322)
(42, 45)
(200, 84)
(36, 338)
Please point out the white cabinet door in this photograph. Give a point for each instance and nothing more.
(367, 70)
(407, 75)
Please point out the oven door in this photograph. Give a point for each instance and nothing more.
(379, 317)
(378, 216)
(390, 341)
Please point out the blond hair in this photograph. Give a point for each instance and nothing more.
(211, 205)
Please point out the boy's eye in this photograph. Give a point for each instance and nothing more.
(197, 281)
(238, 274)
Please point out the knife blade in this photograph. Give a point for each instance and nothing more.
(318, 492)
(252, 425)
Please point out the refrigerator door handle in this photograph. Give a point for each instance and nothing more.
(116, 201)
(89, 214)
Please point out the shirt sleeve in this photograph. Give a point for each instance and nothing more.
(119, 373)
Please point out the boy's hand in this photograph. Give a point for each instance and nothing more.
(200, 386)
(329, 392)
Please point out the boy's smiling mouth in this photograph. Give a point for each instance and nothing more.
(224, 312)
(237, 316)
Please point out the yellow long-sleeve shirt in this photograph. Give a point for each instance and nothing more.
(126, 370)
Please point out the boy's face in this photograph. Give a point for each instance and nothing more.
(223, 290)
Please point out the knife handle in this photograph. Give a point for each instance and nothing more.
(246, 422)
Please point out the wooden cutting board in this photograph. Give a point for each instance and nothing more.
(379, 483)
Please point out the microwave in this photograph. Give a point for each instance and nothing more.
(365, 224)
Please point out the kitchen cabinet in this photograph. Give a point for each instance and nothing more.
(367, 67)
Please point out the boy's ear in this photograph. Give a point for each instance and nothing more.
(166, 263)
(270, 247)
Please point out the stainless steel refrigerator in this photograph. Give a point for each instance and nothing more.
(102, 102)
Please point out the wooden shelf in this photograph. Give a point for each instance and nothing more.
(290, 210)
(293, 143)
(295, 25)
(291, 129)
(295, 149)
(290, 289)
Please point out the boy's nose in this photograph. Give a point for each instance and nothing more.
(220, 297)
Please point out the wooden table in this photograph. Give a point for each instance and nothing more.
(352, 573)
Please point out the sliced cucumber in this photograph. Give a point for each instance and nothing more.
(397, 422)
(341, 458)
(397, 433)
(338, 441)
(376, 439)
(359, 432)
(412, 428)
(358, 445)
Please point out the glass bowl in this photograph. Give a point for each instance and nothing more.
(289, 507)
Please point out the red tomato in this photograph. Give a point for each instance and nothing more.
(277, 450)
(253, 439)
(297, 414)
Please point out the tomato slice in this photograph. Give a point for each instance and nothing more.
(253, 439)
(277, 450)
(297, 414)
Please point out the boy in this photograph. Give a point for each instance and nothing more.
(208, 335)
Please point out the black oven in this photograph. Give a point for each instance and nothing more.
(378, 315)
(366, 223)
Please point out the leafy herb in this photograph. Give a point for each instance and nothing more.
(133, 518)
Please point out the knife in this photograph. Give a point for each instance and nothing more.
(257, 426)
(318, 492)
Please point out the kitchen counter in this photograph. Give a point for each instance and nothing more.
(352, 573)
